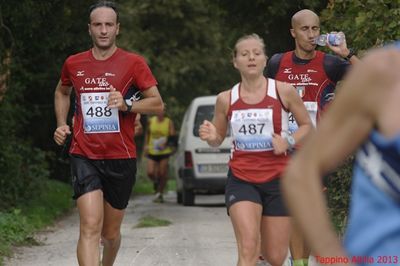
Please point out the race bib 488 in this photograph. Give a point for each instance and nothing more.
(97, 117)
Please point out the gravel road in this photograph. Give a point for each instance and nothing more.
(198, 235)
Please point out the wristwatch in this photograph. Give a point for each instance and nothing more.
(128, 103)
(351, 53)
(291, 141)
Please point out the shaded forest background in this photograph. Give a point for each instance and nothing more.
(187, 44)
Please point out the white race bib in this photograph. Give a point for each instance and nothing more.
(160, 143)
(252, 129)
(97, 117)
(312, 109)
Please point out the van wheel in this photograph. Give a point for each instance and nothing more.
(188, 197)
(179, 197)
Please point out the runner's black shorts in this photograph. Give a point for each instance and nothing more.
(267, 194)
(114, 177)
(158, 158)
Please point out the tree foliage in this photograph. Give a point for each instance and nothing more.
(269, 19)
(366, 23)
(184, 45)
(37, 38)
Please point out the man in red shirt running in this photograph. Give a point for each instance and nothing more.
(103, 152)
(314, 74)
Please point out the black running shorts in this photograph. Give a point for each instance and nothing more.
(114, 177)
(158, 158)
(267, 194)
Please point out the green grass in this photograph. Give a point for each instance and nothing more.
(150, 221)
(18, 225)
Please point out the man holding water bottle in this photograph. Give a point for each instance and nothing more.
(314, 74)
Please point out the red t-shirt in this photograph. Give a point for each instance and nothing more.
(252, 157)
(101, 132)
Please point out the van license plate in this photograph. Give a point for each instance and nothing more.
(213, 168)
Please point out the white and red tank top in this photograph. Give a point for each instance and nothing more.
(252, 125)
(101, 132)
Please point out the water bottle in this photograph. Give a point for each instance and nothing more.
(334, 39)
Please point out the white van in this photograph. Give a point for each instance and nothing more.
(199, 168)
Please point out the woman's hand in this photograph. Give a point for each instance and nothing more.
(279, 143)
(207, 131)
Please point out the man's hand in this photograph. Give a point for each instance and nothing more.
(279, 143)
(61, 133)
(341, 50)
(115, 100)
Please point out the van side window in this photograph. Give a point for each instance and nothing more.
(203, 112)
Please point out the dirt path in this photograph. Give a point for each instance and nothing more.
(199, 235)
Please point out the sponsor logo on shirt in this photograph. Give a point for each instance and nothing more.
(287, 70)
(299, 77)
(80, 73)
(301, 90)
(101, 82)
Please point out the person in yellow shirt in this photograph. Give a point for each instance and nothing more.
(159, 131)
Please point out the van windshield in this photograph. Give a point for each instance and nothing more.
(204, 112)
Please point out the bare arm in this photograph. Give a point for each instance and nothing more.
(146, 137)
(172, 131)
(62, 103)
(172, 143)
(302, 182)
(344, 127)
(295, 105)
(151, 104)
(138, 126)
(61, 106)
(214, 132)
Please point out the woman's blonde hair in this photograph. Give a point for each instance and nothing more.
(254, 36)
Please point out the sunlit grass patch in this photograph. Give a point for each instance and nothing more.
(150, 221)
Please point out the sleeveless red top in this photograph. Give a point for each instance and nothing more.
(252, 157)
(310, 80)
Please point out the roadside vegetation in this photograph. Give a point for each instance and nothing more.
(18, 225)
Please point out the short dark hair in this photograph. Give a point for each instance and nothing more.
(103, 3)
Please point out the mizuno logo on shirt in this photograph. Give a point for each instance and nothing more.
(287, 70)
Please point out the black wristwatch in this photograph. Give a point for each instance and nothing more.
(351, 53)
(128, 103)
